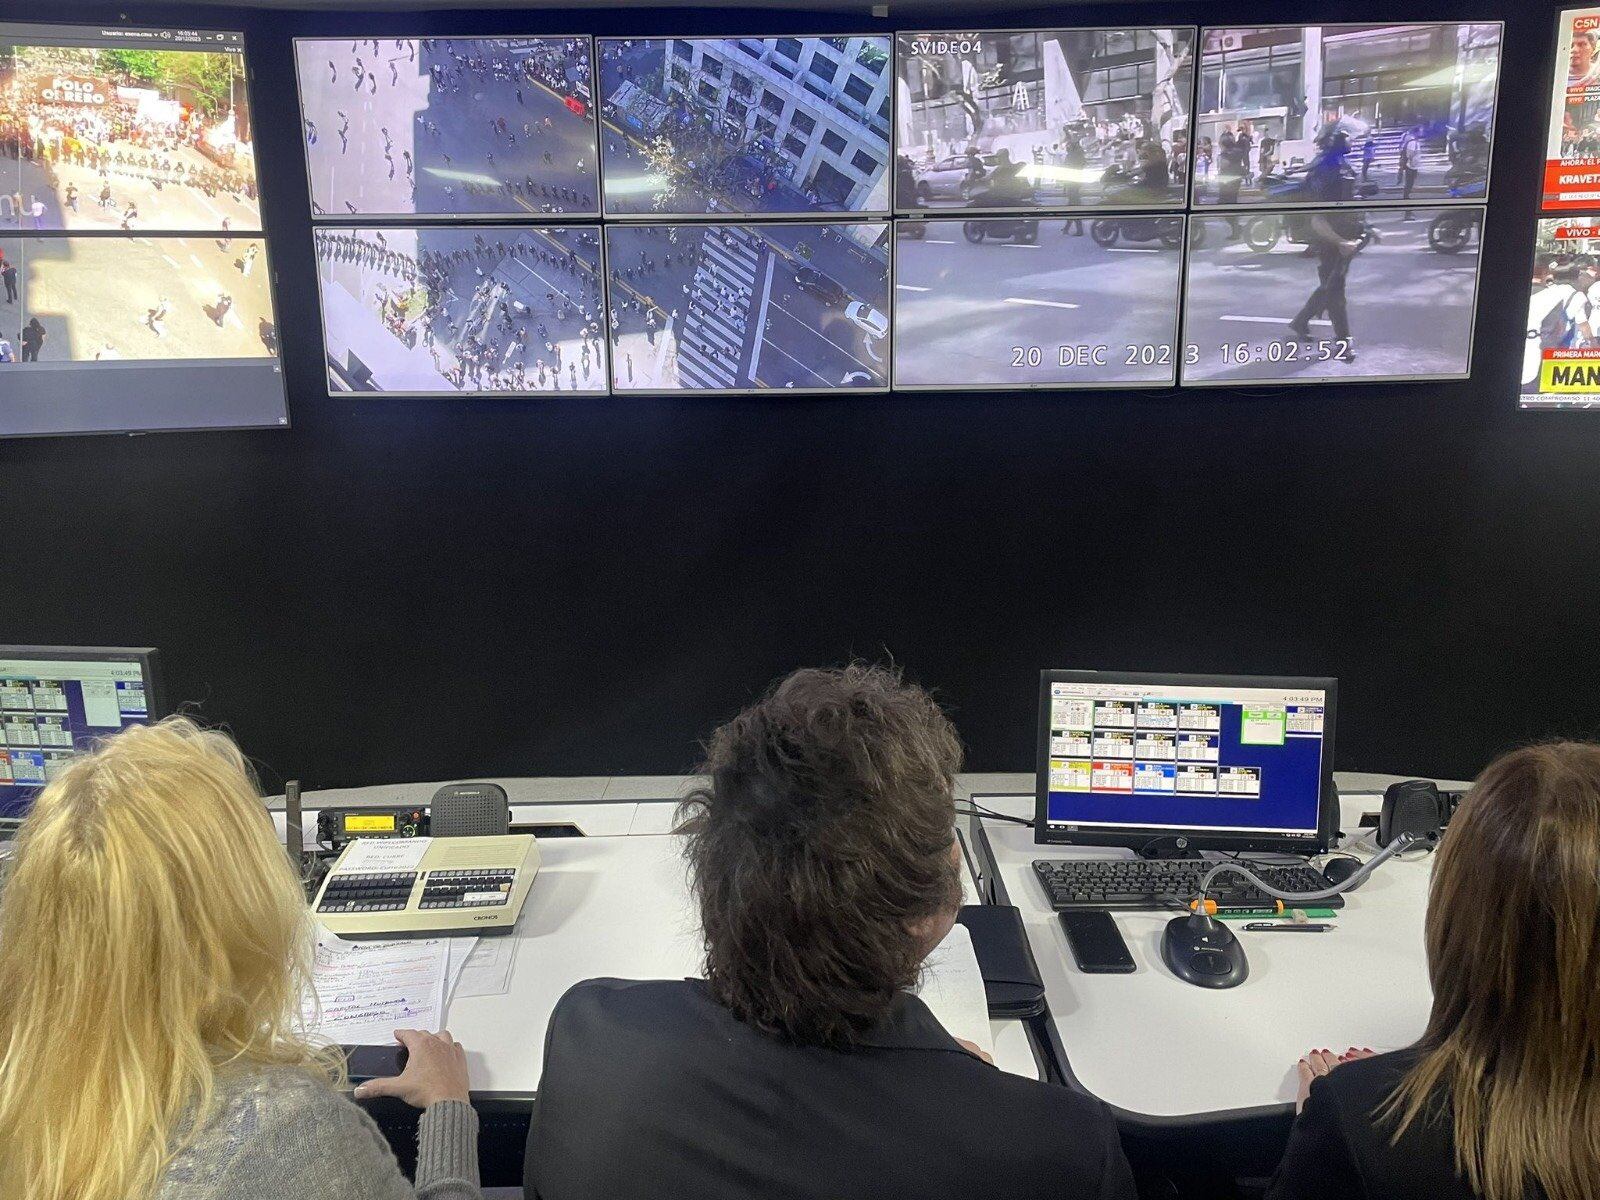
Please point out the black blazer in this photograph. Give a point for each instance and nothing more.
(652, 1089)
(1338, 1151)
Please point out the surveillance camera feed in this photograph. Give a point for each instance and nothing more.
(712, 307)
(745, 125)
(450, 127)
(1330, 295)
(427, 310)
(1025, 301)
(100, 130)
(1052, 119)
(1346, 114)
(1561, 362)
(139, 332)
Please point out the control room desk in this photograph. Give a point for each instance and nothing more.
(614, 903)
(1166, 1054)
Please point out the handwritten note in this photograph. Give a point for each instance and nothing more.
(367, 990)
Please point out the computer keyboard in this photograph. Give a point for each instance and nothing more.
(1168, 882)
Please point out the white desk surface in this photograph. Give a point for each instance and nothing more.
(1164, 1051)
(607, 906)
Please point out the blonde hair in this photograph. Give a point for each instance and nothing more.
(1513, 933)
(152, 934)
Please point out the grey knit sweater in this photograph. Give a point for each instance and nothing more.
(282, 1135)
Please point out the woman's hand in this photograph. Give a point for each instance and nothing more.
(1320, 1062)
(973, 1050)
(435, 1070)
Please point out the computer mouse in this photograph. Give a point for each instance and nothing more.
(1203, 951)
(1339, 868)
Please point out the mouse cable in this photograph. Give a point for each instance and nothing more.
(1401, 843)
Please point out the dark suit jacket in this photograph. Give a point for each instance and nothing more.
(1337, 1151)
(652, 1089)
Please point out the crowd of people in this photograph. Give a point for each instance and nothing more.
(485, 337)
(526, 152)
(121, 155)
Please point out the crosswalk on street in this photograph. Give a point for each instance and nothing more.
(714, 331)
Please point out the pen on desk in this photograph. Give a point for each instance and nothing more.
(1287, 927)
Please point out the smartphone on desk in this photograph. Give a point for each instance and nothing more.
(1096, 942)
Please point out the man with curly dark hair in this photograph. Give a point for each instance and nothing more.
(823, 856)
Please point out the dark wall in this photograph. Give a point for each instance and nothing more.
(421, 589)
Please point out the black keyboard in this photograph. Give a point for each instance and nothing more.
(1169, 883)
(372, 891)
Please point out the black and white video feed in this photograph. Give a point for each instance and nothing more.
(1331, 294)
(448, 126)
(745, 125)
(1018, 302)
(425, 310)
(730, 308)
(1052, 119)
(1336, 114)
(112, 137)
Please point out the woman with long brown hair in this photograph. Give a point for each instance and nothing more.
(1501, 1097)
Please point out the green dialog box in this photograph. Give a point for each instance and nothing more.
(1263, 726)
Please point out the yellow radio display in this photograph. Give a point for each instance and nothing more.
(369, 823)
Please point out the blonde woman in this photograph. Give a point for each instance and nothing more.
(153, 947)
(1501, 1097)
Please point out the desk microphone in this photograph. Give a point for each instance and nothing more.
(1201, 950)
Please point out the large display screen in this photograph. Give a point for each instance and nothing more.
(448, 127)
(1332, 294)
(125, 129)
(745, 125)
(1028, 301)
(1346, 114)
(1043, 118)
(429, 309)
(1180, 756)
(1572, 145)
(1561, 357)
(135, 283)
(749, 307)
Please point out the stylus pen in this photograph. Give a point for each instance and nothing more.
(1286, 927)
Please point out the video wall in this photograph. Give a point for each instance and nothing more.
(135, 267)
(970, 209)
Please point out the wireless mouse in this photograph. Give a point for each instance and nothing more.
(1204, 952)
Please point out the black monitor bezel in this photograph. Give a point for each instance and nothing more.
(148, 658)
(1138, 838)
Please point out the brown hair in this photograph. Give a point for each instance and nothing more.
(1513, 1043)
(823, 839)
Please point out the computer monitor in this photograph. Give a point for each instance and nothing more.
(1000, 120)
(1227, 762)
(768, 126)
(54, 700)
(464, 128)
(137, 277)
(1397, 113)
(447, 310)
(780, 306)
(1093, 302)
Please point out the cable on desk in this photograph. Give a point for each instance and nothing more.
(976, 810)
